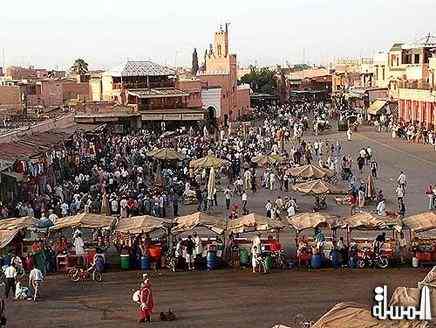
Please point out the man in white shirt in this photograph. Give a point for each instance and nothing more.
(79, 245)
(402, 180)
(198, 249)
(400, 193)
(52, 216)
(10, 275)
(35, 279)
(381, 208)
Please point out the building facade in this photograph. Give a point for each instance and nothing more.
(221, 71)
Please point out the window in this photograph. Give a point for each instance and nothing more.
(219, 50)
(398, 61)
(416, 60)
(383, 73)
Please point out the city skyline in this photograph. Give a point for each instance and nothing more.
(312, 32)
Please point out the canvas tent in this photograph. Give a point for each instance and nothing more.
(141, 224)
(421, 222)
(199, 219)
(353, 315)
(253, 222)
(312, 220)
(84, 220)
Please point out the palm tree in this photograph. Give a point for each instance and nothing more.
(80, 66)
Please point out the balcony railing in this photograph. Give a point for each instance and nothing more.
(420, 85)
(143, 85)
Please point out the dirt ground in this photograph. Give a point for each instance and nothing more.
(222, 298)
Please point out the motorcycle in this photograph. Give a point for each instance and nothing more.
(371, 259)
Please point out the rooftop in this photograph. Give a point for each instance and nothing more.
(141, 68)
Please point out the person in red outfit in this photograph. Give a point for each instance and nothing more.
(146, 301)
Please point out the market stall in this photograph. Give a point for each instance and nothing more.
(68, 257)
(319, 189)
(165, 154)
(136, 248)
(422, 239)
(367, 221)
(313, 220)
(255, 223)
(213, 247)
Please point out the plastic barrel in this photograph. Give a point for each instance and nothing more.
(211, 260)
(316, 261)
(336, 259)
(145, 263)
(415, 262)
(125, 261)
(244, 257)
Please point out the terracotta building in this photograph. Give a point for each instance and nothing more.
(220, 71)
(412, 80)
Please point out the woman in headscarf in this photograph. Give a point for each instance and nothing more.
(146, 302)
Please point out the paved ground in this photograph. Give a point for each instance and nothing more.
(241, 299)
(205, 299)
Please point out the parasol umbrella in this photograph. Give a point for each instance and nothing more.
(211, 184)
(165, 154)
(318, 187)
(208, 162)
(199, 219)
(312, 220)
(264, 160)
(310, 171)
(255, 222)
(141, 224)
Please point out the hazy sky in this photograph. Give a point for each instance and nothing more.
(50, 33)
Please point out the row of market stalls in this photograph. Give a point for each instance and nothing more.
(301, 223)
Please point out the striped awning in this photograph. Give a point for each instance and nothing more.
(376, 107)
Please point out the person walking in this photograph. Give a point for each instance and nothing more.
(228, 196)
(349, 134)
(146, 302)
(374, 167)
(244, 199)
(10, 276)
(35, 279)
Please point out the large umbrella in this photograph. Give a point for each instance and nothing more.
(310, 172)
(84, 220)
(141, 224)
(312, 220)
(208, 162)
(165, 154)
(211, 184)
(267, 159)
(421, 222)
(318, 187)
(6, 236)
(255, 222)
(199, 219)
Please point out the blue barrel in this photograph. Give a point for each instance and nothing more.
(336, 259)
(211, 260)
(145, 263)
(316, 261)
